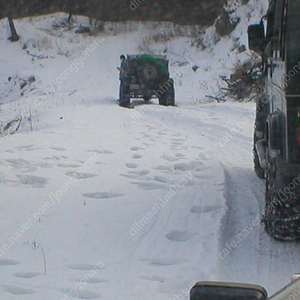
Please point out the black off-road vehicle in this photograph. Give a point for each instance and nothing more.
(145, 76)
(206, 290)
(277, 124)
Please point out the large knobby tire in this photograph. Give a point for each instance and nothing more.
(281, 217)
(260, 172)
(151, 74)
(124, 98)
(168, 94)
(262, 111)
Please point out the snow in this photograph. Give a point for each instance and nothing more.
(103, 202)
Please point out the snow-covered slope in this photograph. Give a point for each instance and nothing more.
(98, 201)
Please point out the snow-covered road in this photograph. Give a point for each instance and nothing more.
(145, 200)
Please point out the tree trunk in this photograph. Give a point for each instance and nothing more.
(14, 36)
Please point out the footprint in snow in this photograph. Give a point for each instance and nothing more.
(79, 175)
(136, 174)
(176, 143)
(161, 133)
(205, 177)
(32, 149)
(27, 274)
(34, 181)
(58, 148)
(9, 262)
(149, 185)
(45, 165)
(197, 147)
(192, 166)
(178, 236)
(21, 164)
(101, 151)
(153, 278)
(10, 151)
(24, 148)
(107, 152)
(161, 179)
(53, 157)
(180, 155)
(131, 176)
(17, 290)
(175, 148)
(2, 177)
(85, 294)
(102, 195)
(82, 267)
(136, 148)
(162, 262)
(147, 144)
(90, 280)
(202, 156)
(141, 172)
(164, 168)
(169, 158)
(65, 165)
(178, 140)
(150, 127)
(131, 165)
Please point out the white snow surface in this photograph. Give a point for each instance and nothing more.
(103, 202)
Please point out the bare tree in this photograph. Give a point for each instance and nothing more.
(14, 36)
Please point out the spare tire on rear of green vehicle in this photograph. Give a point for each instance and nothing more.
(152, 71)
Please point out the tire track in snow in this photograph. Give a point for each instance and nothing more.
(242, 229)
(258, 258)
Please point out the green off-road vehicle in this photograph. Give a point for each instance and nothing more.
(145, 76)
(277, 124)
